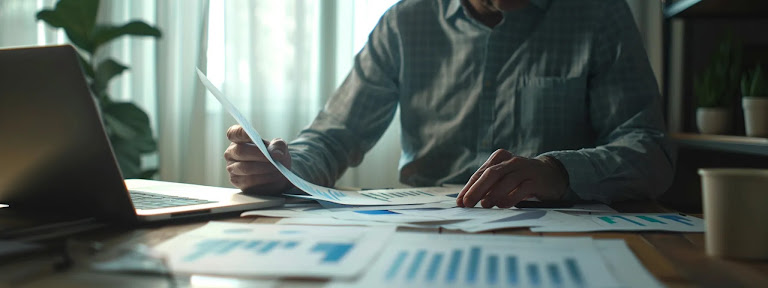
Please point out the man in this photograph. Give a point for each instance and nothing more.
(551, 99)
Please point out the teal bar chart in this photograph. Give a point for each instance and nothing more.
(477, 266)
(328, 252)
(660, 220)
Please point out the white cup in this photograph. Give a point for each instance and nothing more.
(736, 212)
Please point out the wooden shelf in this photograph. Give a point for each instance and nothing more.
(716, 9)
(724, 143)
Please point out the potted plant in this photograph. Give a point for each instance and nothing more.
(714, 88)
(754, 88)
(126, 124)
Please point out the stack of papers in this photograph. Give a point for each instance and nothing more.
(474, 220)
(379, 257)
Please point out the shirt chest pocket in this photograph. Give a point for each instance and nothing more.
(553, 103)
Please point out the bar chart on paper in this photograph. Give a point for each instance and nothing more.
(630, 222)
(324, 252)
(273, 250)
(466, 264)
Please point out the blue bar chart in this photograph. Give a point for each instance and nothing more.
(481, 266)
(627, 222)
(390, 195)
(275, 250)
(645, 220)
(328, 252)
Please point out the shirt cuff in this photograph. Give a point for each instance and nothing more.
(578, 167)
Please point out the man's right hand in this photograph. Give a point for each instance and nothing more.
(250, 170)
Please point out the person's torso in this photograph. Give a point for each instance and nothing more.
(467, 90)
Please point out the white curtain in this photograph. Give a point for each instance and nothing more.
(277, 60)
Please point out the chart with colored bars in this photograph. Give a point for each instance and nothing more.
(329, 252)
(645, 220)
(628, 222)
(273, 250)
(457, 264)
(666, 222)
(399, 193)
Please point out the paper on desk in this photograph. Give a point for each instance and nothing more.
(237, 249)
(369, 197)
(304, 210)
(284, 213)
(590, 208)
(627, 222)
(444, 204)
(341, 222)
(624, 265)
(400, 196)
(382, 216)
(440, 260)
(460, 213)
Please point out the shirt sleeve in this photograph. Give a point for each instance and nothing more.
(632, 158)
(357, 115)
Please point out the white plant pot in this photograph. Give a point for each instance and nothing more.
(755, 115)
(713, 120)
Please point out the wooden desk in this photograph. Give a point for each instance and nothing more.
(676, 259)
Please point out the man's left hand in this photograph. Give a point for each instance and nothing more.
(505, 179)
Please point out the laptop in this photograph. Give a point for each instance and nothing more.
(56, 159)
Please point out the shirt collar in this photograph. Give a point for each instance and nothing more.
(455, 5)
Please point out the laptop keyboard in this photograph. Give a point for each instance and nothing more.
(146, 201)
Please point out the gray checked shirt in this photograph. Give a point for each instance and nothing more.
(563, 78)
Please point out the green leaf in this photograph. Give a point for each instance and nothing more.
(76, 17)
(52, 18)
(105, 33)
(128, 158)
(105, 71)
(129, 122)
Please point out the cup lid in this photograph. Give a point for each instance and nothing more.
(733, 172)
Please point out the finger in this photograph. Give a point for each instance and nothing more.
(495, 158)
(237, 134)
(490, 176)
(278, 149)
(499, 192)
(244, 152)
(524, 191)
(246, 168)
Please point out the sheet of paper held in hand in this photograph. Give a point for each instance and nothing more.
(367, 197)
(238, 249)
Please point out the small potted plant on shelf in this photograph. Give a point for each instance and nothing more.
(755, 102)
(714, 88)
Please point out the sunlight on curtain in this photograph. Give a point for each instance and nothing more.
(265, 56)
(19, 27)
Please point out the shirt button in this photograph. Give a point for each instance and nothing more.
(488, 83)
